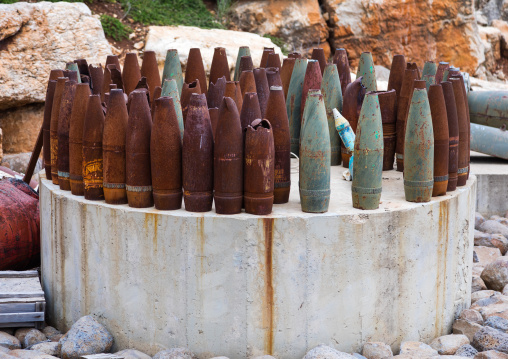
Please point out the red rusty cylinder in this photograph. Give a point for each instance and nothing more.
(82, 67)
(233, 91)
(187, 91)
(259, 168)
(341, 61)
(277, 116)
(166, 156)
(441, 139)
(113, 148)
(453, 134)
(312, 80)
(397, 75)
(96, 78)
(318, 53)
(63, 135)
(245, 64)
(352, 105)
(441, 68)
(463, 131)
(77, 122)
(137, 149)
(219, 67)
(228, 160)
(116, 77)
(113, 60)
(131, 72)
(216, 92)
(144, 92)
(156, 94)
(414, 66)
(195, 70)
(150, 70)
(285, 74)
(197, 157)
(273, 60)
(402, 111)
(106, 81)
(238, 96)
(247, 82)
(388, 107)
(295, 55)
(250, 110)
(214, 119)
(264, 57)
(46, 124)
(93, 130)
(273, 77)
(71, 75)
(464, 92)
(53, 129)
(262, 88)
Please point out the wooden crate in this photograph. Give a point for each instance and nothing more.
(22, 302)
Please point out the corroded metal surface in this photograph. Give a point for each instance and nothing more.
(414, 66)
(367, 71)
(286, 72)
(150, 70)
(72, 70)
(441, 139)
(247, 82)
(92, 149)
(273, 77)
(173, 69)
(170, 89)
(246, 64)
(242, 51)
(187, 90)
(195, 70)
(453, 134)
(318, 53)
(341, 61)
(216, 92)
(63, 135)
(488, 108)
(441, 68)
(55, 113)
(214, 119)
(332, 97)
(429, 68)
(273, 60)
(233, 91)
(113, 60)
(312, 81)
(219, 66)
(250, 110)
(264, 56)
(429, 80)
(96, 78)
(46, 124)
(131, 73)
(489, 140)
(397, 74)
(402, 112)
(262, 88)
(460, 103)
(294, 103)
(388, 107)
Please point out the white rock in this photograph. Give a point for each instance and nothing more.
(486, 255)
(9, 341)
(175, 353)
(492, 226)
(481, 294)
(472, 316)
(495, 274)
(50, 348)
(34, 336)
(377, 350)
(466, 328)
(132, 354)
(417, 350)
(325, 352)
(86, 336)
(448, 344)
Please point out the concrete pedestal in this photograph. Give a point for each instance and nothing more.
(246, 285)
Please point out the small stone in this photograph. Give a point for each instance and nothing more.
(9, 341)
(376, 350)
(493, 226)
(489, 338)
(34, 336)
(486, 255)
(323, 351)
(472, 316)
(495, 274)
(491, 354)
(21, 332)
(132, 354)
(50, 348)
(86, 336)
(262, 357)
(477, 284)
(175, 353)
(448, 344)
(478, 220)
(466, 351)
(139, 45)
(4, 350)
(505, 290)
(481, 294)
(52, 334)
(30, 354)
(417, 349)
(497, 323)
(469, 329)
(491, 240)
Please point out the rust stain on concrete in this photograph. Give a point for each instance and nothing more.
(269, 303)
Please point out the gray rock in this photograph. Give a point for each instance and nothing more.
(376, 350)
(448, 344)
(475, 257)
(466, 328)
(495, 274)
(359, 356)
(50, 348)
(491, 354)
(502, 220)
(86, 336)
(489, 338)
(175, 353)
(491, 240)
(261, 357)
(478, 220)
(133, 354)
(4, 350)
(18, 162)
(9, 341)
(492, 226)
(497, 323)
(325, 352)
(477, 284)
(52, 334)
(30, 354)
(6, 356)
(228, 358)
(466, 351)
(20, 334)
(34, 336)
(472, 316)
(505, 290)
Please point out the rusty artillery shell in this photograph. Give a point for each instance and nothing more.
(441, 67)
(463, 131)
(96, 78)
(82, 67)
(285, 74)
(312, 80)
(264, 57)
(93, 130)
(453, 134)
(273, 61)
(46, 124)
(388, 108)
(414, 66)
(397, 74)
(441, 139)
(116, 78)
(468, 120)
(368, 156)
(71, 75)
(262, 88)
(195, 70)
(419, 148)
(228, 160)
(245, 64)
(219, 66)
(150, 70)
(314, 176)
(294, 103)
(247, 82)
(278, 118)
(259, 168)
(429, 68)
(242, 51)
(273, 77)
(367, 70)
(216, 92)
(187, 91)
(332, 97)
(113, 60)
(214, 119)
(137, 150)
(318, 53)
(341, 61)
(63, 135)
(166, 156)
(402, 110)
(77, 122)
(197, 157)
(295, 55)
(238, 96)
(106, 81)
(156, 94)
(113, 149)
(170, 89)
(53, 129)
(233, 91)
(352, 105)
(250, 110)
(173, 69)
(131, 72)
(72, 72)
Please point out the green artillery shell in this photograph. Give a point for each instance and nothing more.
(429, 68)
(441, 139)
(488, 108)
(285, 74)
(264, 56)
(131, 72)
(419, 149)
(314, 180)
(318, 53)
(216, 92)
(166, 156)
(195, 70)
(219, 66)
(341, 61)
(453, 134)
(262, 88)
(55, 114)
(72, 66)
(312, 80)
(402, 110)
(170, 89)
(150, 70)
(173, 69)
(63, 135)
(294, 102)
(489, 140)
(460, 102)
(77, 122)
(429, 80)
(187, 91)
(242, 51)
(273, 61)
(332, 96)
(368, 156)
(397, 74)
(441, 68)
(367, 70)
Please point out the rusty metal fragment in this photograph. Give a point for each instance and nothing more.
(113, 60)
(63, 135)
(195, 70)
(402, 111)
(219, 67)
(150, 70)
(441, 139)
(131, 72)
(453, 134)
(55, 114)
(414, 66)
(262, 88)
(216, 92)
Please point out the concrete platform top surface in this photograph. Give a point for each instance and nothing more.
(482, 164)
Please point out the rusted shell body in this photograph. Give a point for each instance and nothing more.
(277, 116)
(116, 78)
(429, 80)
(150, 70)
(113, 149)
(341, 61)
(234, 91)
(453, 135)
(82, 67)
(242, 51)
(238, 96)
(264, 56)
(273, 61)
(368, 156)
(96, 78)
(273, 77)
(294, 103)
(314, 164)
(156, 94)
(352, 105)
(397, 74)
(318, 53)
(414, 66)
(441, 139)
(166, 156)
(131, 72)
(219, 66)
(285, 74)
(63, 135)
(460, 103)
(173, 69)
(228, 160)
(367, 70)
(419, 148)
(113, 60)
(214, 119)
(216, 92)
(332, 97)
(55, 114)
(295, 55)
(197, 157)
(77, 123)
(441, 68)
(259, 169)
(262, 88)
(429, 68)
(170, 89)
(488, 108)
(402, 111)
(195, 70)
(71, 75)
(388, 108)
(137, 150)
(187, 91)
(250, 110)
(247, 82)
(46, 124)
(312, 80)
(468, 118)
(245, 65)
(93, 130)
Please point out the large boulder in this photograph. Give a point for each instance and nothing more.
(9, 341)
(448, 344)
(495, 274)
(489, 338)
(86, 336)
(493, 226)
(377, 350)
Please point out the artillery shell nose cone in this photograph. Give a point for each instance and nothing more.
(453, 132)
(285, 74)
(150, 70)
(187, 91)
(247, 82)
(397, 74)
(173, 69)
(216, 92)
(294, 103)
(295, 55)
(93, 130)
(264, 57)
(332, 95)
(312, 80)
(273, 61)
(131, 72)
(341, 61)
(245, 65)
(367, 70)
(388, 107)
(429, 68)
(441, 68)
(219, 66)
(96, 78)
(242, 51)
(46, 124)
(250, 110)
(170, 89)
(318, 53)
(462, 117)
(113, 60)
(262, 88)
(195, 70)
